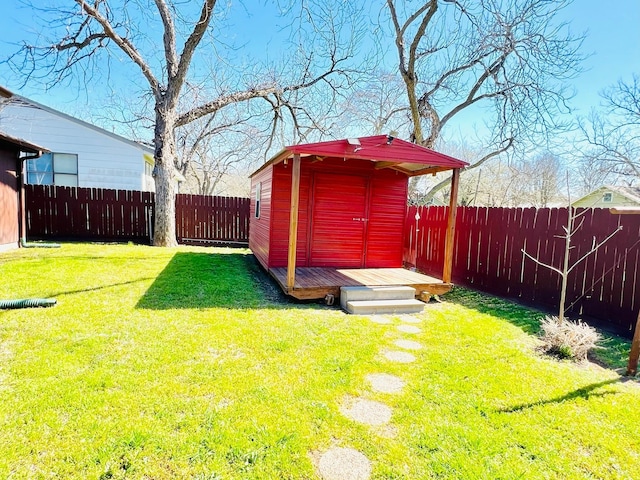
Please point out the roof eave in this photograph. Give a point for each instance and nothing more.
(24, 145)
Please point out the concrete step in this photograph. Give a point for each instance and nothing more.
(348, 294)
(370, 307)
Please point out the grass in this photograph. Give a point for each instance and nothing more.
(182, 363)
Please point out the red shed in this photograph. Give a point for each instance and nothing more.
(331, 214)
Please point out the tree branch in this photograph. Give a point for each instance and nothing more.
(550, 267)
(124, 44)
(169, 37)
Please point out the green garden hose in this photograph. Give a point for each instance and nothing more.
(25, 244)
(27, 303)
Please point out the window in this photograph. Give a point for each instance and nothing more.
(53, 169)
(258, 195)
(607, 197)
(40, 170)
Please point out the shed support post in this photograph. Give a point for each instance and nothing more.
(451, 227)
(293, 223)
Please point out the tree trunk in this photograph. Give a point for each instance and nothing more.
(164, 234)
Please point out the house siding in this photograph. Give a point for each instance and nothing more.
(104, 161)
(596, 200)
(9, 211)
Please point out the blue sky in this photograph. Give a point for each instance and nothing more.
(613, 40)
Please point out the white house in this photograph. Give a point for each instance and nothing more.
(82, 154)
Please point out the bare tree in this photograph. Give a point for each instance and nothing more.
(612, 136)
(98, 32)
(212, 148)
(377, 102)
(505, 61)
(574, 223)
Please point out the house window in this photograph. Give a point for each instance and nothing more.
(59, 169)
(607, 197)
(258, 198)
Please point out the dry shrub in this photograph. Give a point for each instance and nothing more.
(568, 339)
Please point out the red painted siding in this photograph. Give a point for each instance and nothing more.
(9, 213)
(260, 228)
(387, 213)
(332, 194)
(339, 220)
(280, 211)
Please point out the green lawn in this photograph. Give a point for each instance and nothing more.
(182, 363)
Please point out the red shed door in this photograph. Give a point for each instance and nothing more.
(338, 220)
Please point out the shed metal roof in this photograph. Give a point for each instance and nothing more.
(386, 151)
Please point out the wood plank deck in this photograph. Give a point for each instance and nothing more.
(316, 282)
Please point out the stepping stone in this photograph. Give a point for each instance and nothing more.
(408, 344)
(344, 464)
(409, 329)
(385, 383)
(400, 357)
(380, 319)
(366, 411)
(410, 319)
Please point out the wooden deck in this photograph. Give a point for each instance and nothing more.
(312, 283)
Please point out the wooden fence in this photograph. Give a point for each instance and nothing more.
(204, 219)
(488, 256)
(69, 213)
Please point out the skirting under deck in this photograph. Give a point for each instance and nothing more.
(315, 282)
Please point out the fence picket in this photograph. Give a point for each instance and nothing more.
(66, 213)
(488, 256)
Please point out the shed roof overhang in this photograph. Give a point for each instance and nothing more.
(20, 145)
(385, 151)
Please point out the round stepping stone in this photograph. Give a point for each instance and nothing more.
(408, 344)
(344, 464)
(366, 411)
(385, 383)
(400, 357)
(410, 318)
(380, 319)
(409, 329)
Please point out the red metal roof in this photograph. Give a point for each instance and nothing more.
(397, 154)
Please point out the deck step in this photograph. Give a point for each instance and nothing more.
(368, 307)
(348, 294)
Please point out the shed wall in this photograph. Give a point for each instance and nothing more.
(9, 212)
(386, 207)
(280, 210)
(260, 228)
(386, 220)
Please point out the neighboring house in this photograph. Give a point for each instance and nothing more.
(13, 153)
(610, 196)
(82, 155)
